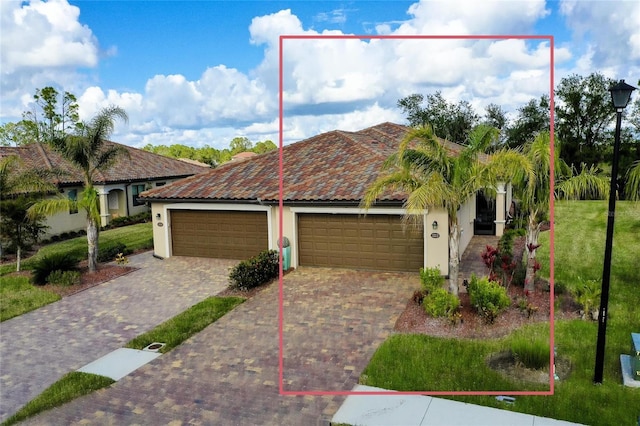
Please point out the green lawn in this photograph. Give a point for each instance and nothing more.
(425, 363)
(18, 296)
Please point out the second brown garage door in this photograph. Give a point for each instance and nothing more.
(375, 242)
(218, 234)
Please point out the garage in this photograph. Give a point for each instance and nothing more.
(218, 234)
(375, 242)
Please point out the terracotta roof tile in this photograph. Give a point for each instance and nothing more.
(141, 165)
(330, 167)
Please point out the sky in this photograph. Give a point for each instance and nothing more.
(203, 72)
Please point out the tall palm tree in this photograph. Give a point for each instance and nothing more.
(18, 188)
(89, 152)
(536, 194)
(434, 178)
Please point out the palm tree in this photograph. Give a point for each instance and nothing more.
(18, 189)
(434, 178)
(89, 152)
(633, 182)
(536, 194)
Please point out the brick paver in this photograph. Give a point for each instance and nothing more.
(39, 347)
(228, 373)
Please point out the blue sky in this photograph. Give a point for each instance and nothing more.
(203, 72)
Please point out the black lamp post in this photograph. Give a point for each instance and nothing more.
(620, 96)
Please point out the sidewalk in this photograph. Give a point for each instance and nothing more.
(416, 410)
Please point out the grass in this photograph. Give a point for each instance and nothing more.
(18, 295)
(70, 386)
(172, 332)
(135, 237)
(425, 363)
(184, 325)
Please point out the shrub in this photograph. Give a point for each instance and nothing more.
(440, 303)
(64, 278)
(431, 278)
(587, 294)
(488, 298)
(52, 262)
(255, 271)
(531, 352)
(109, 252)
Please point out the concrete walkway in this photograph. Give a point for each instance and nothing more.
(418, 410)
(39, 347)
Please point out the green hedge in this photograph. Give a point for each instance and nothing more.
(255, 271)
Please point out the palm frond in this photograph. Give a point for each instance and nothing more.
(586, 184)
(52, 206)
(633, 182)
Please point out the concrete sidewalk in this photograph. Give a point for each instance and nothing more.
(416, 410)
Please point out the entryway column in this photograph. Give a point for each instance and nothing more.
(501, 209)
(104, 207)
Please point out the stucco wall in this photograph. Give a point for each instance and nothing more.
(66, 222)
(466, 217)
(436, 241)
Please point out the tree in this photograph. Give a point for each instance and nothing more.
(453, 122)
(583, 117)
(264, 146)
(240, 144)
(89, 152)
(434, 178)
(18, 189)
(532, 118)
(535, 192)
(18, 134)
(632, 187)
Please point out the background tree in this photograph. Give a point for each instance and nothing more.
(451, 121)
(534, 117)
(240, 144)
(584, 116)
(433, 178)
(18, 134)
(89, 152)
(19, 188)
(264, 146)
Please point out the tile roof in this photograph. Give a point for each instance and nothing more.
(336, 166)
(141, 165)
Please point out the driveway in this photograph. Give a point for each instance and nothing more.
(39, 347)
(228, 373)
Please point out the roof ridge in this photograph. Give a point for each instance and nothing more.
(43, 154)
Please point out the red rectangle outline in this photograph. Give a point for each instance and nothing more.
(550, 38)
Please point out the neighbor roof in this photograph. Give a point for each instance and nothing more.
(333, 167)
(139, 166)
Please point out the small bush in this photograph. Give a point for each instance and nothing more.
(431, 278)
(587, 294)
(440, 303)
(44, 266)
(532, 353)
(488, 298)
(64, 278)
(255, 271)
(109, 252)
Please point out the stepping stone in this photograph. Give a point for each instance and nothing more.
(119, 363)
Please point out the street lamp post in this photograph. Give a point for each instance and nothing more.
(620, 96)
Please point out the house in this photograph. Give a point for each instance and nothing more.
(118, 187)
(233, 211)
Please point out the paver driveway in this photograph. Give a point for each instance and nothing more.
(228, 373)
(39, 347)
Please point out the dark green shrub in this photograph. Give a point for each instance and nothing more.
(64, 236)
(255, 271)
(108, 253)
(64, 278)
(55, 238)
(531, 352)
(440, 303)
(488, 298)
(52, 262)
(431, 278)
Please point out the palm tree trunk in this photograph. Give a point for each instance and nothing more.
(92, 243)
(18, 256)
(454, 257)
(533, 232)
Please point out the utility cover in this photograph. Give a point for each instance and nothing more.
(119, 363)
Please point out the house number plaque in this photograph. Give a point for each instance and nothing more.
(435, 235)
(160, 224)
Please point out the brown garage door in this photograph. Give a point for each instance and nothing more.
(375, 242)
(218, 234)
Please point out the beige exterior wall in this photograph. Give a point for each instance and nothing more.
(466, 217)
(66, 222)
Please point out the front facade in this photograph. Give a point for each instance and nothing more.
(234, 211)
(118, 187)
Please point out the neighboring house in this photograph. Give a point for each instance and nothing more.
(118, 187)
(233, 211)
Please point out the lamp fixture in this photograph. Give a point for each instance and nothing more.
(158, 216)
(434, 225)
(621, 94)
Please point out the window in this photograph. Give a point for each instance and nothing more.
(135, 191)
(73, 196)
